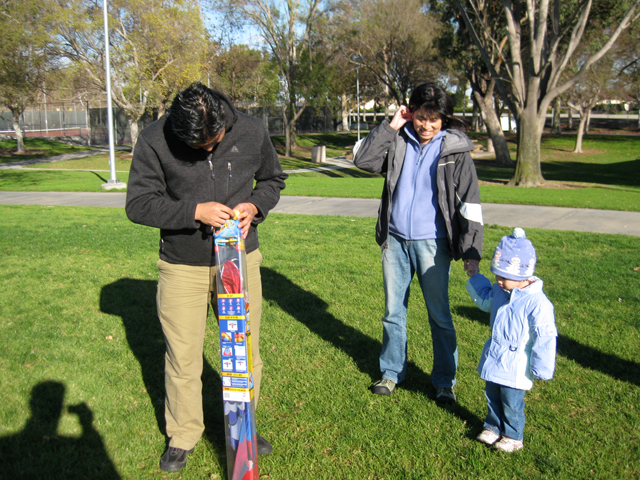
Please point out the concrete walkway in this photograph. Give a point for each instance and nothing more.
(525, 216)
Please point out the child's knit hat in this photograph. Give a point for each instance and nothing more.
(515, 257)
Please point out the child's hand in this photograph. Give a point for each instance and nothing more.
(472, 267)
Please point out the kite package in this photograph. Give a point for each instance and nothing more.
(235, 353)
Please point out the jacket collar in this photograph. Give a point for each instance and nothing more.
(535, 287)
(413, 138)
(456, 142)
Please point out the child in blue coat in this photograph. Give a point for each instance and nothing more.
(523, 338)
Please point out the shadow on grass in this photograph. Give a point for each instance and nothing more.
(39, 452)
(346, 173)
(330, 140)
(311, 311)
(619, 173)
(19, 179)
(588, 357)
(135, 302)
(104, 180)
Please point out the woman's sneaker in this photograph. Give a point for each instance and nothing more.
(509, 445)
(488, 436)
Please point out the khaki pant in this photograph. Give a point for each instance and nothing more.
(184, 295)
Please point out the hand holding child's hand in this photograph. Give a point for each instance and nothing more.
(472, 267)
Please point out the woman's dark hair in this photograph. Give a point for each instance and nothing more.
(197, 114)
(434, 101)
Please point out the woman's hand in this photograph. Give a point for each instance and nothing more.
(402, 116)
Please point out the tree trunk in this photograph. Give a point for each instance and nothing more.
(88, 122)
(503, 156)
(492, 122)
(556, 127)
(287, 133)
(528, 172)
(344, 102)
(569, 119)
(135, 130)
(581, 125)
(19, 134)
(475, 123)
(293, 141)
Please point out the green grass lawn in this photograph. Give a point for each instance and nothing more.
(82, 358)
(35, 148)
(337, 144)
(604, 177)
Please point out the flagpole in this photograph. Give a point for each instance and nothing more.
(113, 181)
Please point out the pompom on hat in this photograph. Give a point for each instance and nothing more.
(514, 257)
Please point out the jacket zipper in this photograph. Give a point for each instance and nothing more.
(415, 181)
(210, 229)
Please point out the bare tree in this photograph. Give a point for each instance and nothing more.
(596, 84)
(395, 41)
(70, 83)
(286, 28)
(457, 44)
(244, 74)
(23, 58)
(542, 38)
(149, 45)
(627, 65)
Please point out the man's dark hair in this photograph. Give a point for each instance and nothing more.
(434, 101)
(197, 114)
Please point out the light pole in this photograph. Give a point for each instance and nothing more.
(113, 181)
(358, 96)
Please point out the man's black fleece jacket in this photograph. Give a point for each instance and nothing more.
(168, 179)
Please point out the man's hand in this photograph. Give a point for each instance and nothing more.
(402, 116)
(247, 213)
(472, 267)
(213, 213)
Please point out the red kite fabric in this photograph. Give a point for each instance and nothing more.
(231, 277)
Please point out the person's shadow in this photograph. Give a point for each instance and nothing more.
(589, 357)
(310, 310)
(135, 302)
(39, 452)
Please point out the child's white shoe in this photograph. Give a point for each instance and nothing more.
(509, 445)
(488, 436)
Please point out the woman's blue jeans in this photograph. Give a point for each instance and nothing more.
(430, 260)
(505, 414)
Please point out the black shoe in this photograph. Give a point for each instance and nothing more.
(445, 395)
(174, 459)
(264, 447)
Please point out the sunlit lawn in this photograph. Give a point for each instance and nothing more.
(604, 177)
(82, 358)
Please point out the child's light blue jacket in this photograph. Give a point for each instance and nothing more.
(523, 333)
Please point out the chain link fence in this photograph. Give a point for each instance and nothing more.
(89, 125)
